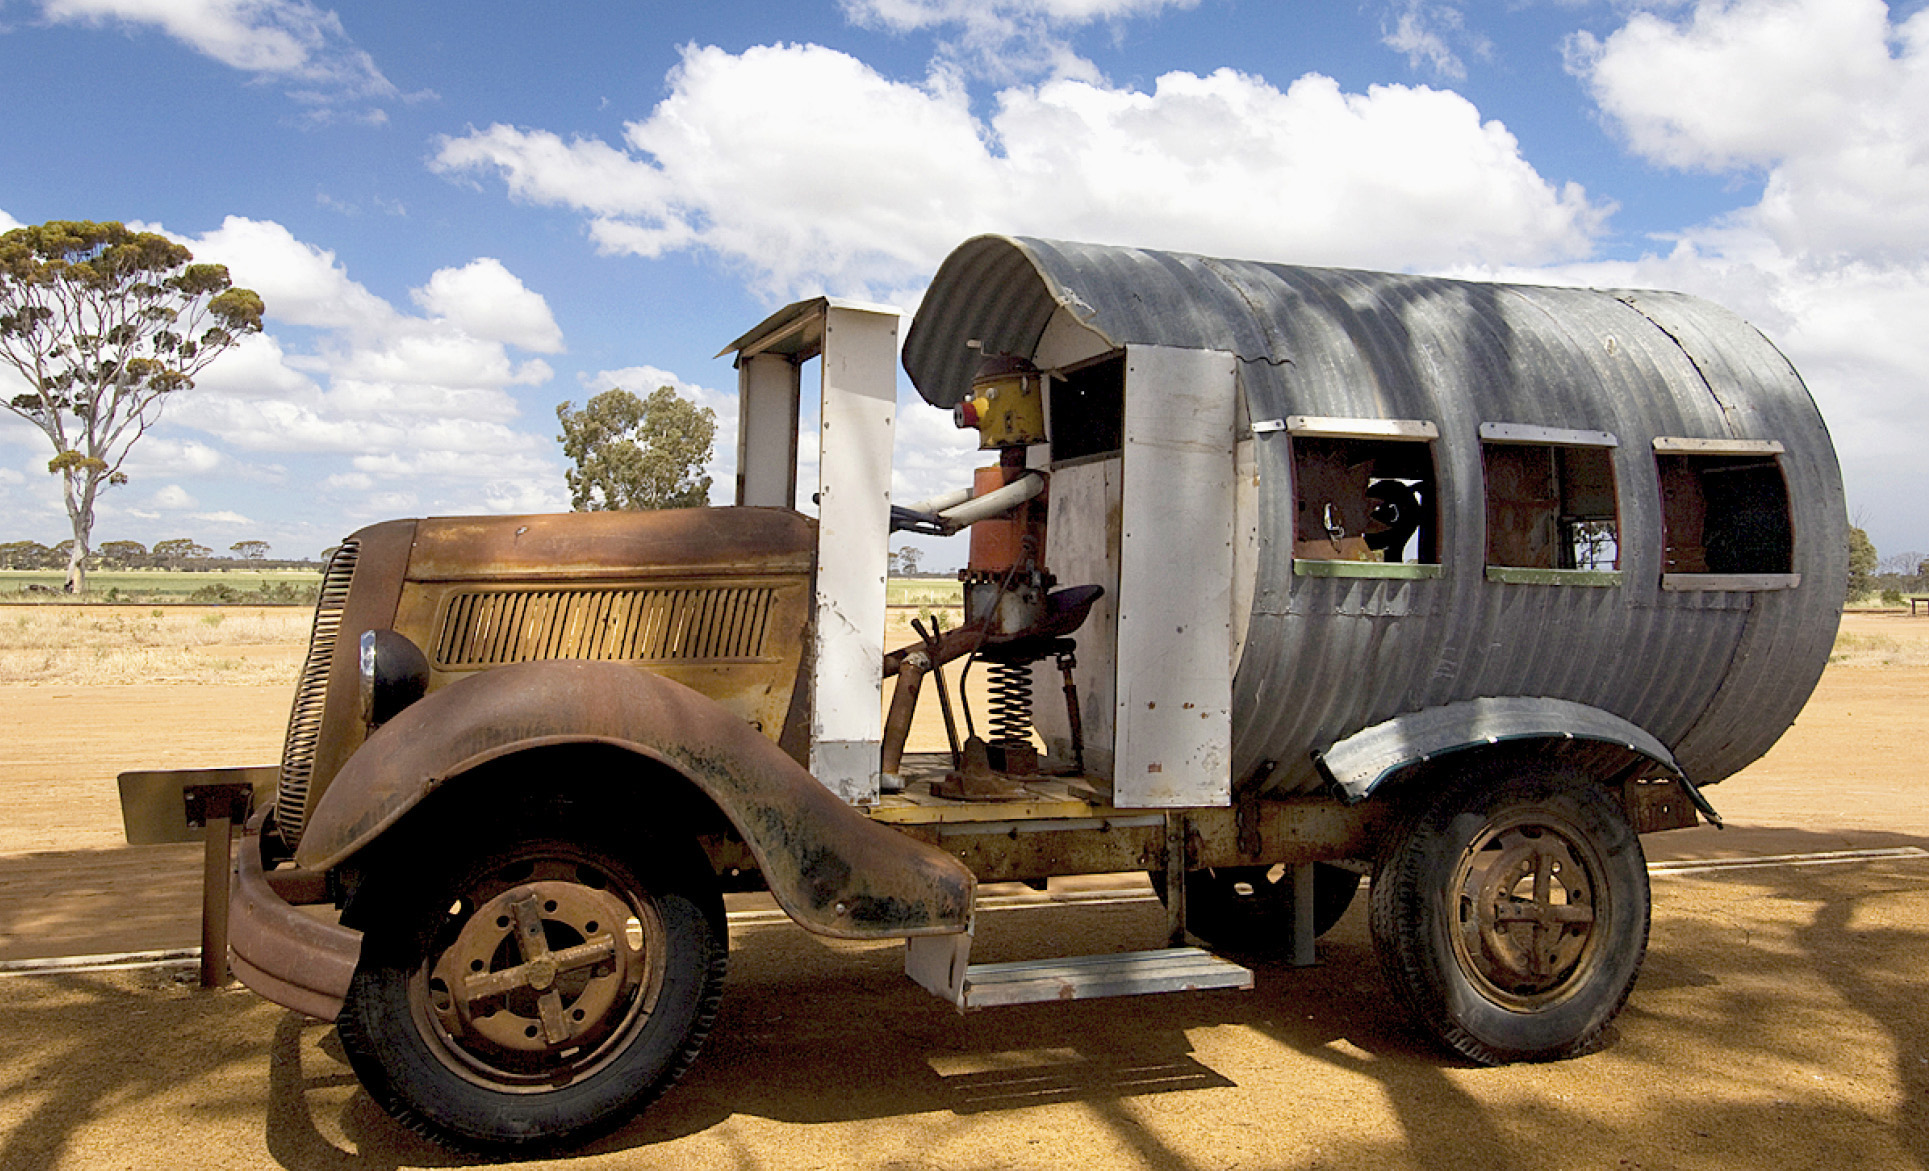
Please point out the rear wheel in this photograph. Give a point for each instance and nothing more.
(1512, 914)
(537, 989)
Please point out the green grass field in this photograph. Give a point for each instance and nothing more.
(294, 586)
(254, 586)
(934, 592)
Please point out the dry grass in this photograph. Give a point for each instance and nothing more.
(92, 645)
(1878, 650)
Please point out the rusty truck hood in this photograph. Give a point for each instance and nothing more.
(578, 545)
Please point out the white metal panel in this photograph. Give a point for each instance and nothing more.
(1328, 427)
(1067, 340)
(1132, 973)
(1562, 436)
(1245, 548)
(767, 399)
(1684, 446)
(1083, 549)
(1731, 581)
(1174, 715)
(859, 365)
(938, 964)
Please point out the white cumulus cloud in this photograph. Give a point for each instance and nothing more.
(1822, 98)
(869, 181)
(415, 404)
(487, 301)
(1821, 101)
(173, 497)
(1426, 33)
(223, 518)
(160, 455)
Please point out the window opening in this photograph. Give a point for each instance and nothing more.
(1365, 500)
(1724, 514)
(1551, 506)
(1088, 409)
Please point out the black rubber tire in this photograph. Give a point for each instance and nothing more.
(450, 1082)
(1248, 908)
(1519, 972)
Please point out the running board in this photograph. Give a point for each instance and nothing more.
(939, 964)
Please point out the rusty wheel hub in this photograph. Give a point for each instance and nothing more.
(542, 979)
(1529, 897)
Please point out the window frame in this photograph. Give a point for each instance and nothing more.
(1689, 582)
(1550, 438)
(1420, 431)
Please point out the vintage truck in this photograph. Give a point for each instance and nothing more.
(1282, 577)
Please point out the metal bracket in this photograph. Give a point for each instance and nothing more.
(1177, 849)
(1246, 812)
(233, 801)
(216, 808)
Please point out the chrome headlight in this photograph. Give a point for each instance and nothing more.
(395, 674)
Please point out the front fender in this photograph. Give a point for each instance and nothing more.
(1357, 764)
(830, 868)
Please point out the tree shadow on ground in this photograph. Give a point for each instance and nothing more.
(1731, 1052)
(1778, 1022)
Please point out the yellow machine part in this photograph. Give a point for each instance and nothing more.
(1010, 410)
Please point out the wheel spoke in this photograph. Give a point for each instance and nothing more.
(1532, 909)
(550, 1007)
(541, 973)
(530, 937)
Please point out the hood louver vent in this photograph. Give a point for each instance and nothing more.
(492, 628)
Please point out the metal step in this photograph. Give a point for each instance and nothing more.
(933, 963)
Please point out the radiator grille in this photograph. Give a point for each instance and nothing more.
(305, 720)
(663, 625)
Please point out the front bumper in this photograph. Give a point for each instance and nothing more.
(285, 955)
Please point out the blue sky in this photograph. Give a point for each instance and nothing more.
(462, 214)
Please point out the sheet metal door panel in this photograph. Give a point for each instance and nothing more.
(1174, 714)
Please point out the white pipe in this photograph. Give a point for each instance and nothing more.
(941, 502)
(996, 502)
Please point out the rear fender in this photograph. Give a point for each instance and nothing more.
(1361, 763)
(831, 868)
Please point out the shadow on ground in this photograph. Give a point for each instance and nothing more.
(1778, 1022)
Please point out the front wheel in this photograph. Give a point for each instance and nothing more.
(537, 988)
(1512, 914)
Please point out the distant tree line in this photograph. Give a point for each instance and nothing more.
(1891, 578)
(180, 553)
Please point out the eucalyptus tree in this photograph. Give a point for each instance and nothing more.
(101, 324)
(637, 453)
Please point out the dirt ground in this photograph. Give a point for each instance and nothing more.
(1779, 1020)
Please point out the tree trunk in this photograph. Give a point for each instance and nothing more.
(77, 570)
(80, 511)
